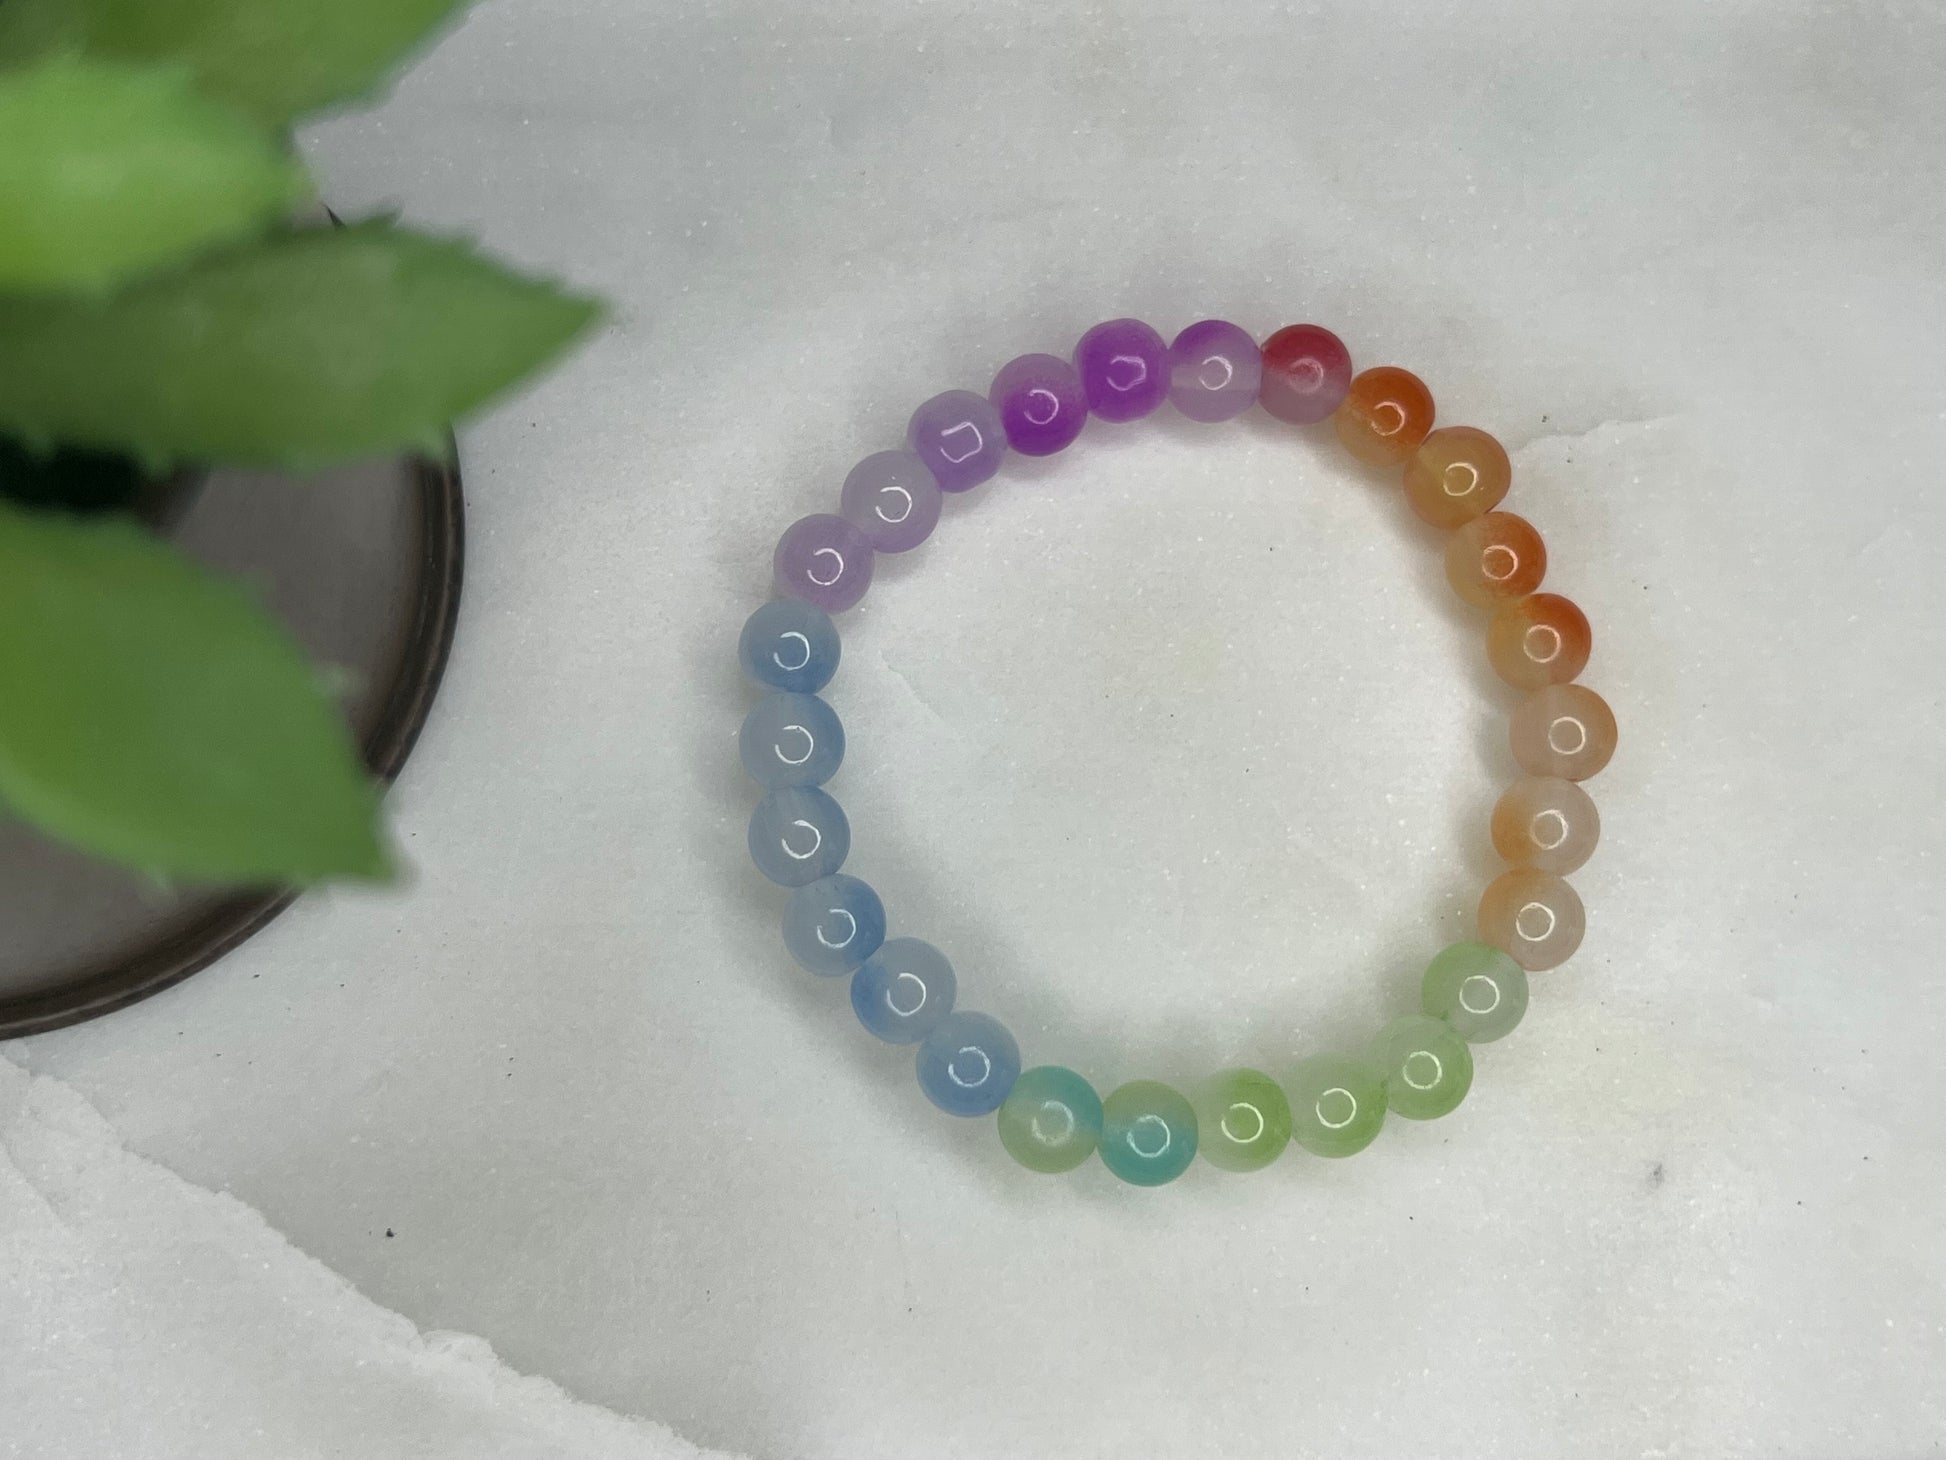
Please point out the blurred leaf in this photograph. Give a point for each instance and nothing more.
(274, 59)
(108, 170)
(152, 713)
(305, 348)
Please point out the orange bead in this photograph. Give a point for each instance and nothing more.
(1494, 558)
(1457, 474)
(1547, 823)
(1565, 730)
(1385, 415)
(1534, 916)
(1539, 640)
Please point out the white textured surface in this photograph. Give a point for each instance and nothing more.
(1176, 747)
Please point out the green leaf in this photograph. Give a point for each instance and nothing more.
(274, 59)
(109, 170)
(305, 348)
(151, 713)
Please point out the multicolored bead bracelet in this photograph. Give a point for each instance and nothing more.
(904, 990)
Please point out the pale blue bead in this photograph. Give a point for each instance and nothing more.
(834, 924)
(903, 991)
(968, 1064)
(797, 835)
(791, 645)
(792, 740)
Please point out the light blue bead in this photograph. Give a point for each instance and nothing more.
(903, 991)
(834, 924)
(797, 835)
(968, 1064)
(790, 645)
(792, 740)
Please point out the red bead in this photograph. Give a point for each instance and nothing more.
(1307, 371)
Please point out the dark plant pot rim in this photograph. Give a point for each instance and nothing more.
(228, 923)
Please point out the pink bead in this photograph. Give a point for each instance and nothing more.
(825, 561)
(1307, 371)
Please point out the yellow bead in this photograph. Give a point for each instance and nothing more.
(1547, 823)
(1458, 473)
(1565, 730)
(1533, 915)
(1494, 558)
(1539, 640)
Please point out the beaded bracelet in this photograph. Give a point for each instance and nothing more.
(904, 990)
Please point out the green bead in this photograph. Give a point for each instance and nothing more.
(1428, 1068)
(1148, 1133)
(1243, 1121)
(1337, 1104)
(1478, 990)
(1051, 1120)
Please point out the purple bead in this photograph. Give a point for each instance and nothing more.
(825, 561)
(1214, 371)
(1124, 369)
(959, 437)
(892, 499)
(1041, 404)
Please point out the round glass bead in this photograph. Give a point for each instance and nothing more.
(1148, 1133)
(1480, 991)
(833, 924)
(1337, 1104)
(797, 835)
(959, 437)
(1546, 822)
(1215, 371)
(1494, 558)
(1565, 730)
(1041, 405)
(1051, 1119)
(825, 561)
(1307, 371)
(1124, 369)
(1428, 1068)
(791, 740)
(968, 1064)
(1385, 415)
(1533, 915)
(903, 991)
(1458, 473)
(789, 645)
(892, 499)
(1539, 640)
(1243, 1121)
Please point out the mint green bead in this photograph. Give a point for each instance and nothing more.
(1428, 1068)
(1337, 1104)
(1148, 1133)
(1051, 1120)
(1243, 1121)
(1478, 990)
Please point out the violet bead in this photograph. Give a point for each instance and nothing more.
(1215, 369)
(1124, 369)
(825, 561)
(1041, 404)
(959, 437)
(892, 499)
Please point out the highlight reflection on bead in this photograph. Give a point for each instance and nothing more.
(1148, 1133)
(1565, 730)
(1494, 558)
(903, 991)
(1385, 415)
(1428, 1068)
(1546, 822)
(1479, 990)
(833, 924)
(791, 645)
(1051, 1120)
(1456, 474)
(1533, 915)
(1243, 1121)
(1538, 640)
(1337, 1104)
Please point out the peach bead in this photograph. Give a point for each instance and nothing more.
(1494, 558)
(1533, 916)
(1539, 640)
(1546, 823)
(1385, 415)
(1457, 474)
(1565, 730)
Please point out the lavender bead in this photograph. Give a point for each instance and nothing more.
(959, 437)
(1124, 369)
(825, 561)
(1041, 404)
(1215, 369)
(892, 499)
